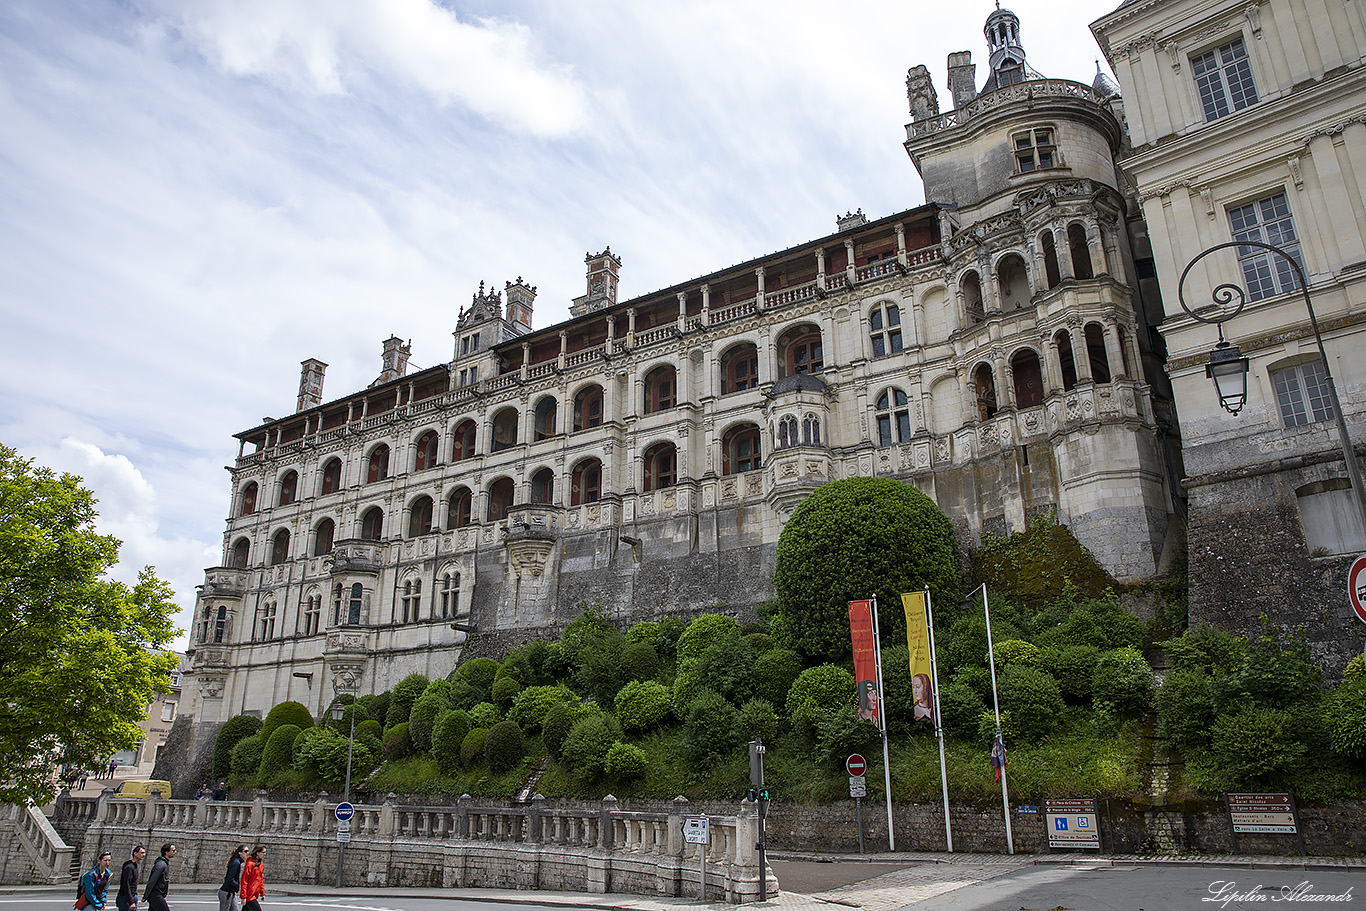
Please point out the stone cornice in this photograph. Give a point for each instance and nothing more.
(1272, 339)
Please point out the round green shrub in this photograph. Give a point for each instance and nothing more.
(397, 744)
(376, 707)
(505, 690)
(759, 642)
(359, 707)
(246, 756)
(402, 698)
(818, 690)
(279, 751)
(642, 704)
(686, 683)
(843, 732)
(625, 762)
(234, 730)
(1074, 667)
(727, 667)
(439, 687)
(472, 747)
(462, 695)
(321, 753)
(756, 720)
(1123, 679)
(368, 729)
(639, 660)
(422, 719)
(1032, 697)
(504, 746)
(1355, 670)
(484, 715)
(1344, 715)
(1017, 651)
(285, 713)
(646, 631)
(710, 731)
(702, 632)
(479, 673)
(774, 673)
(584, 751)
(530, 706)
(670, 631)
(966, 644)
(959, 709)
(1185, 708)
(852, 538)
(448, 736)
(1255, 748)
(560, 720)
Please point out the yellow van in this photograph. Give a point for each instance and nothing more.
(143, 789)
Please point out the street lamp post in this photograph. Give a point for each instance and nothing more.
(1228, 368)
(338, 712)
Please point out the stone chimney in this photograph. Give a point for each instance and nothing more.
(396, 356)
(604, 273)
(311, 384)
(850, 220)
(962, 78)
(520, 298)
(920, 94)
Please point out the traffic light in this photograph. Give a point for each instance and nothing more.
(756, 763)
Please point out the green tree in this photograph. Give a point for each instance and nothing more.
(80, 654)
(851, 539)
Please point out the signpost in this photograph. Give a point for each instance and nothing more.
(344, 812)
(1072, 824)
(695, 833)
(1356, 587)
(856, 765)
(1263, 814)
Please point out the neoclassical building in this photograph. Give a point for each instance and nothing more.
(989, 347)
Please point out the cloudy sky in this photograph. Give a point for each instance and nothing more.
(196, 195)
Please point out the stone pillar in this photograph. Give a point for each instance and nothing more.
(318, 824)
(682, 311)
(706, 306)
(901, 246)
(1005, 385)
(610, 345)
(759, 296)
(820, 270)
(849, 271)
(534, 814)
(1081, 357)
(1066, 268)
(631, 327)
(605, 822)
(387, 815)
(1112, 352)
(676, 813)
(462, 816)
(564, 349)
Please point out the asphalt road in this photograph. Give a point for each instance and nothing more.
(196, 900)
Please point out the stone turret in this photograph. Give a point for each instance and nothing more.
(395, 359)
(311, 384)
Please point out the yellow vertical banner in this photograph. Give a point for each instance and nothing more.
(918, 641)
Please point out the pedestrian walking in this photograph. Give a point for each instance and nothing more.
(84, 776)
(95, 884)
(127, 897)
(113, 764)
(228, 899)
(221, 792)
(254, 880)
(159, 880)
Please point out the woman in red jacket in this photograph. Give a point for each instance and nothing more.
(253, 880)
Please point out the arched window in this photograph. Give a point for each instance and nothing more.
(1050, 259)
(543, 486)
(588, 408)
(1067, 363)
(893, 418)
(661, 466)
(279, 547)
(289, 487)
(241, 549)
(504, 431)
(420, 517)
(740, 369)
(586, 483)
(353, 609)
(377, 468)
(463, 447)
(428, 446)
(459, 507)
(338, 597)
(740, 449)
(971, 286)
(1013, 281)
(248, 499)
(220, 624)
(1081, 252)
(661, 389)
(984, 386)
(802, 352)
(450, 595)
(1095, 352)
(411, 602)
(332, 476)
(884, 328)
(544, 427)
(1028, 379)
(500, 499)
(322, 538)
(372, 524)
(787, 432)
(1123, 350)
(313, 615)
(811, 430)
(205, 624)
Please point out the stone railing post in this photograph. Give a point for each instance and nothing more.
(258, 811)
(676, 813)
(533, 818)
(387, 815)
(606, 824)
(462, 816)
(149, 810)
(319, 821)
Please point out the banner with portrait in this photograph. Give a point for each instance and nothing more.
(922, 667)
(865, 661)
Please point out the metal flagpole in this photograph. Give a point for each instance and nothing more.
(882, 723)
(996, 706)
(938, 719)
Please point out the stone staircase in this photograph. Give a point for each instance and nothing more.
(31, 851)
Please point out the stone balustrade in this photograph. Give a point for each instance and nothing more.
(42, 857)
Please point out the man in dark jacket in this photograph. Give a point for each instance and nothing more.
(159, 880)
(127, 899)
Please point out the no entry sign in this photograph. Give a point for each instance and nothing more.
(1356, 587)
(856, 765)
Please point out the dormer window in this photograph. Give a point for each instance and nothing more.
(1034, 150)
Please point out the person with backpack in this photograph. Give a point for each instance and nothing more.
(159, 880)
(127, 897)
(232, 881)
(94, 885)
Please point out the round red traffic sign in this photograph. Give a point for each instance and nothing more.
(1356, 587)
(856, 764)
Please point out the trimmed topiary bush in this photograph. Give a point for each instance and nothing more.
(1355, 670)
(472, 747)
(1033, 699)
(818, 690)
(530, 706)
(279, 751)
(710, 731)
(1123, 679)
(585, 749)
(639, 660)
(246, 756)
(760, 642)
(504, 746)
(843, 732)
(233, 732)
(369, 728)
(1017, 651)
(1255, 748)
(702, 633)
(448, 736)
(397, 743)
(727, 667)
(646, 631)
(852, 538)
(479, 673)
(774, 673)
(625, 762)
(642, 704)
(505, 689)
(285, 713)
(402, 698)
(756, 719)
(422, 719)
(686, 684)
(560, 720)
(484, 715)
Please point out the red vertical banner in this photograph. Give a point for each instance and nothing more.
(865, 661)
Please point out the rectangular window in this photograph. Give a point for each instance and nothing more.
(167, 711)
(1035, 151)
(1302, 394)
(1224, 78)
(1267, 220)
